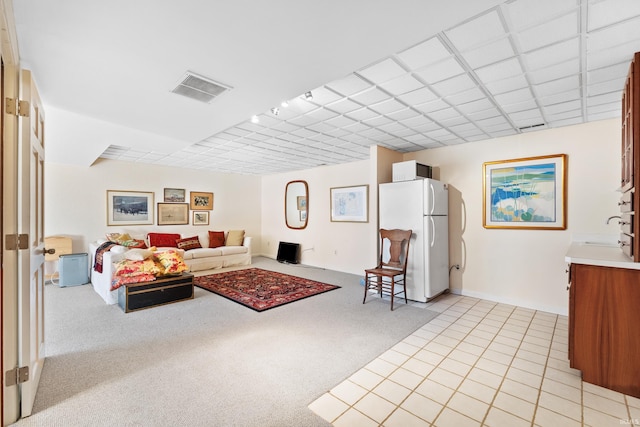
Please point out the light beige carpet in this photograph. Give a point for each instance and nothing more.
(209, 361)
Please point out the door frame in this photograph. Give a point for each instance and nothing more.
(10, 408)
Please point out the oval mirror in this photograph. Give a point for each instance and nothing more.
(296, 203)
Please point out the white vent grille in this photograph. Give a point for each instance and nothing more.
(199, 88)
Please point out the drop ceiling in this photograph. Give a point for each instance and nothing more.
(409, 77)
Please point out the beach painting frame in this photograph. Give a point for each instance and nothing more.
(527, 193)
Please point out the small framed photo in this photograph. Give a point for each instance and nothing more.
(200, 218)
(173, 213)
(174, 195)
(201, 201)
(129, 207)
(528, 193)
(350, 204)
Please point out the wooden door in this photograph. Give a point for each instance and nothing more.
(31, 223)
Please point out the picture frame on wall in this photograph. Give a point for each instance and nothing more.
(201, 201)
(129, 207)
(200, 218)
(527, 193)
(350, 204)
(173, 213)
(174, 195)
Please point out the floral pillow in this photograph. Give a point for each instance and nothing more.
(128, 268)
(171, 261)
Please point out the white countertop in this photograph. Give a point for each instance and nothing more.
(603, 254)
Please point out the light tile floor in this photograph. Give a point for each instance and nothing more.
(478, 363)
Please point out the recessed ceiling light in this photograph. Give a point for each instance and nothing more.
(255, 119)
(285, 104)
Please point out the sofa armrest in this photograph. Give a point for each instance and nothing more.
(247, 242)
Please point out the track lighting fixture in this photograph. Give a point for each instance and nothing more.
(275, 111)
(308, 96)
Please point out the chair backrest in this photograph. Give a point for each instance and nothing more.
(398, 244)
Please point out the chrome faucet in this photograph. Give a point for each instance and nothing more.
(611, 217)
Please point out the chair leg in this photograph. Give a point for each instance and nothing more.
(366, 287)
(392, 297)
(404, 285)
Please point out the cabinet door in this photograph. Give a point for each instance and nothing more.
(604, 335)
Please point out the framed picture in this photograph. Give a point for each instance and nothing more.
(201, 201)
(173, 213)
(350, 204)
(174, 195)
(527, 193)
(200, 218)
(303, 216)
(301, 202)
(129, 207)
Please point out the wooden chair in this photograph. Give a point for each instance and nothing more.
(393, 271)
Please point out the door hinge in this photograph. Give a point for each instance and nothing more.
(14, 242)
(16, 107)
(16, 375)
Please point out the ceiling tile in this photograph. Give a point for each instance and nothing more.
(557, 86)
(556, 71)
(515, 96)
(554, 117)
(605, 87)
(370, 96)
(553, 54)
(344, 106)
(440, 71)
(615, 71)
(425, 53)
(484, 114)
(382, 71)
(466, 96)
(377, 121)
(414, 122)
(349, 85)
(475, 106)
(507, 85)
(560, 97)
(549, 32)
(432, 106)
(606, 12)
(444, 114)
(477, 31)
(419, 96)
(509, 68)
(523, 13)
(604, 98)
(340, 121)
(388, 106)
(362, 114)
(400, 85)
(613, 36)
(496, 51)
(322, 96)
(622, 53)
(526, 104)
(403, 114)
(454, 85)
(563, 106)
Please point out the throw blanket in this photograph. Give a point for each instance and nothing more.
(97, 265)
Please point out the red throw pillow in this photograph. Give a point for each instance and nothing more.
(163, 239)
(216, 239)
(188, 243)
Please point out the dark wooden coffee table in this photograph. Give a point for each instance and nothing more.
(165, 290)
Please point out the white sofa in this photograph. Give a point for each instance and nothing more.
(199, 259)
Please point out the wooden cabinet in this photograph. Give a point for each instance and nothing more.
(630, 164)
(604, 332)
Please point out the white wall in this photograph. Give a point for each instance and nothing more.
(527, 267)
(347, 247)
(76, 196)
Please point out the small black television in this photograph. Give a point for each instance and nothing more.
(288, 253)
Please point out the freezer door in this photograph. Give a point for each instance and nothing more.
(436, 197)
(436, 251)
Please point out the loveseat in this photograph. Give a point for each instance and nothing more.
(203, 251)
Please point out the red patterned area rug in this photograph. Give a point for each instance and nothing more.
(261, 289)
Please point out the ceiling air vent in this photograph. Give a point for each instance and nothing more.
(199, 88)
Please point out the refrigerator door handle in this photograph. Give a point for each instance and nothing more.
(432, 224)
(432, 199)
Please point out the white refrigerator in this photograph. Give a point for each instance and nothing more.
(421, 205)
